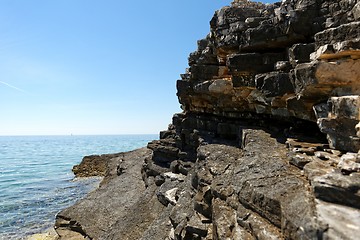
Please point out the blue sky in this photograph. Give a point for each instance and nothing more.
(95, 67)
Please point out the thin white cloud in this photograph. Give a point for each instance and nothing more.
(13, 87)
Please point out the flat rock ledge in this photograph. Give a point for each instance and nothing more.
(93, 216)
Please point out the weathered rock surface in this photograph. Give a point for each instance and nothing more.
(267, 145)
(95, 215)
(281, 60)
(245, 188)
(96, 165)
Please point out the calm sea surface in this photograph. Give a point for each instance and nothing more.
(36, 181)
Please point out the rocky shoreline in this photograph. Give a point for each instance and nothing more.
(267, 145)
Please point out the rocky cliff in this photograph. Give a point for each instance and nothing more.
(267, 145)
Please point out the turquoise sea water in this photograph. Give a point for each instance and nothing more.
(36, 181)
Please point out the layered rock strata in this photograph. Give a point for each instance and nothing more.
(298, 59)
(266, 146)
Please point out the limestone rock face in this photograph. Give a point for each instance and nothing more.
(281, 59)
(340, 122)
(267, 145)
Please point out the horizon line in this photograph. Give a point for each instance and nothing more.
(70, 135)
